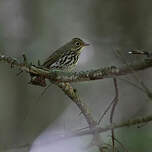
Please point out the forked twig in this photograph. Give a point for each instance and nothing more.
(115, 101)
(104, 113)
(133, 71)
(123, 147)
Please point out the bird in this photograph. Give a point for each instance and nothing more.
(65, 59)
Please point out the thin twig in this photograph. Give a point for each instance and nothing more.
(123, 147)
(147, 90)
(141, 52)
(115, 101)
(104, 113)
(144, 88)
(43, 92)
(127, 123)
(83, 128)
(132, 83)
(134, 73)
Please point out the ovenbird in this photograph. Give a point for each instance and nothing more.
(64, 58)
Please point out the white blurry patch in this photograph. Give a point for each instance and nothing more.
(47, 141)
(43, 144)
(69, 121)
(86, 54)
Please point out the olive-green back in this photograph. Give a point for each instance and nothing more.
(56, 55)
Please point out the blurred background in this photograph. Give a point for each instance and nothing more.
(37, 28)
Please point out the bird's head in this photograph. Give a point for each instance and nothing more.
(77, 44)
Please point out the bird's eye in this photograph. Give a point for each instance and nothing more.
(77, 43)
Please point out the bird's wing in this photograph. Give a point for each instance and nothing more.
(54, 57)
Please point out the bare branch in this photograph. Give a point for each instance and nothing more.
(73, 95)
(62, 79)
(128, 123)
(120, 125)
(62, 76)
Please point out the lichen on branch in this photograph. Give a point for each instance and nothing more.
(63, 76)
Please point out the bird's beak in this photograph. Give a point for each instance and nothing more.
(86, 44)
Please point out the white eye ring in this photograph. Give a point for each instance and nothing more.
(77, 43)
